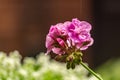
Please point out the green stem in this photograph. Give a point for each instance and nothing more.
(91, 71)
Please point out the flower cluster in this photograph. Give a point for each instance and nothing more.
(67, 40)
(64, 38)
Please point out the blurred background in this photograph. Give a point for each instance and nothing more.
(25, 23)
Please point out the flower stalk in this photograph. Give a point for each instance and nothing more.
(91, 71)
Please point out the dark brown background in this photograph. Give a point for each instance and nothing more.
(107, 30)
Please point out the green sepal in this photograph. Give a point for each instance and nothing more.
(72, 65)
(77, 61)
(68, 65)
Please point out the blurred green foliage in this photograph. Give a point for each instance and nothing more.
(39, 68)
(110, 70)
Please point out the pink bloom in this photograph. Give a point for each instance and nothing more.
(63, 36)
(79, 33)
(55, 39)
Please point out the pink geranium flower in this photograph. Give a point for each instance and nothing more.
(64, 36)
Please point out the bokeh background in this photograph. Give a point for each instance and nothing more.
(25, 23)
